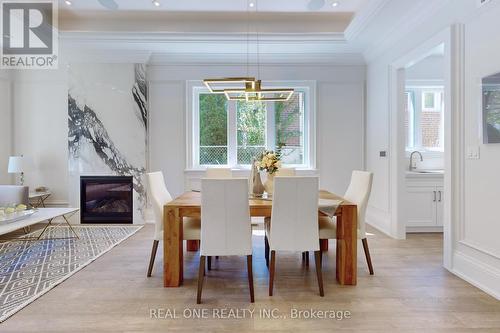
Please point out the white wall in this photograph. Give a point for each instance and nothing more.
(476, 251)
(40, 112)
(40, 121)
(5, 125)
(427, 71)
(339, 100)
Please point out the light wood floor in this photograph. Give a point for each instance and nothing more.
(410, 292)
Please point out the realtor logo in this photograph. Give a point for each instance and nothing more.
(29, 34)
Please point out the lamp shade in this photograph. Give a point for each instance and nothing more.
(16, 164)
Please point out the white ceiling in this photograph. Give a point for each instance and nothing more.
(219, 5)
(203, 31)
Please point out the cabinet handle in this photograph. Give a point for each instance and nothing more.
(440, 196)
(434, 196)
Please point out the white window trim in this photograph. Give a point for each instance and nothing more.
(195, 87)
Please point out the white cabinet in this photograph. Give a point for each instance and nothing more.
(439, 205)
(423, 204)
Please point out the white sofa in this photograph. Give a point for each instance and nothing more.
(13, 194)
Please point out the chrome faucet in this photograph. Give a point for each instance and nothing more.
(411, 159)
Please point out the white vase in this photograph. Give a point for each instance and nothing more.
(269, 184)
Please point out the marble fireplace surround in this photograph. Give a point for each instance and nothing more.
(107, 127)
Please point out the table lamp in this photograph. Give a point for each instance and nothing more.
(17, 164)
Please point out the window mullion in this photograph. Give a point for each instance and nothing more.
(232, 143)
(270, 126)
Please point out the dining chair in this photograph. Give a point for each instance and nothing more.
(159, 197)
(225, 227)
(358, 193)
(218, 173)
(294, 222)
(288, 172)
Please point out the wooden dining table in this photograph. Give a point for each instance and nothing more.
(189, 205)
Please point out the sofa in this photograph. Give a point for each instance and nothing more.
(14, 194)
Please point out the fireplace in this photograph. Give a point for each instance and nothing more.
(106, 199)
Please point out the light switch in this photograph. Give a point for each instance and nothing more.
(473, 152)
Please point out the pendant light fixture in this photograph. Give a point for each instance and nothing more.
(248, 88)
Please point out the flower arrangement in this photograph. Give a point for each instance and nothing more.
(269, 161)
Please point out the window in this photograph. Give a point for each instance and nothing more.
(431, 100)
(213, 129)
(424, 118)
(233, 133)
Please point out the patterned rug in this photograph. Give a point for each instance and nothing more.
(29, 269)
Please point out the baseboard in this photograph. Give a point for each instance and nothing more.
(379, 219)
(480, 275)
(411, 230)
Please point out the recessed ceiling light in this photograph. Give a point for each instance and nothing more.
(251, 4)
(335, 4)
(156, 3)
(68, 2)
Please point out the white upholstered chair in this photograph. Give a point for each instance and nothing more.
(159, 196)
(294, 222)
(218, 173)
(225, 227)
(358, 193)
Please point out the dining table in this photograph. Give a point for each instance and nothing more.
(188, 204)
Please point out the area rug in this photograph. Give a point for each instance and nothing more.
(29, 269)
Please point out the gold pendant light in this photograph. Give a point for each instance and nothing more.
(254, 92)
(247, 88)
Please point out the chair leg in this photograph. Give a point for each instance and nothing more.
(367, 255)
(153, 256)
(209, 263)
(266, 250)
(319, 273)
(201, 273)
(250, 277)
(306, 254)
(271, 272)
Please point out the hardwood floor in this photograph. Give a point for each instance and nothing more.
(410, 292)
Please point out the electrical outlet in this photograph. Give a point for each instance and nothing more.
(383, 153)
(473, 153)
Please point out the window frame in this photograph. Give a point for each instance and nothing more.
(195, 88)
(418, 92)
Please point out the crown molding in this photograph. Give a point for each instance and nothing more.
(165, 37)
(362, 19)
(192, 48)
(274, 59)
(110, 56)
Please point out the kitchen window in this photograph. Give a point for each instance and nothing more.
(424, 118)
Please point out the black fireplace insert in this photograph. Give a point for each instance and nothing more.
(106, 199)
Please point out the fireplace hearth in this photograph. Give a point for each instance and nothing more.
(106, 199)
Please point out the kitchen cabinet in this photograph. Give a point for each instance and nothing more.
(423, 204)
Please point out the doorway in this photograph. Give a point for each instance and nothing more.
(446, 45)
